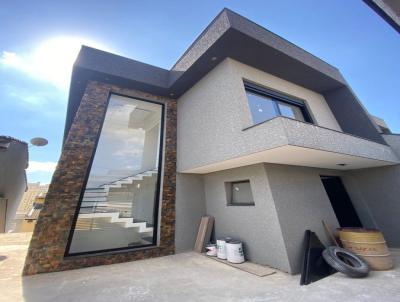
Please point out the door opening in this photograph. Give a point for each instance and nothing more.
(341, 202)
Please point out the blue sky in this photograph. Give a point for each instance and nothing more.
(40, 39)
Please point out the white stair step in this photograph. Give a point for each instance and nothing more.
(114, 218)
(94, 198)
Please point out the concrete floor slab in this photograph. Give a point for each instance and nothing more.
(183, 277)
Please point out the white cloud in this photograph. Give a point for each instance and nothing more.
(38, 166)
(11, 59)
(51, 61)
(36, 98)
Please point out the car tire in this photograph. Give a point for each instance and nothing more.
(333, 255)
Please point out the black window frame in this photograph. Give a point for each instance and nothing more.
(156, 210)
(276, 98)
(229, 186)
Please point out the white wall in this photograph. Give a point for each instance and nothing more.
(151, 148)
(13, 163)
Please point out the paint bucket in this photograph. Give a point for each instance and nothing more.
(221, 248)
(211, 250)
(234, 251)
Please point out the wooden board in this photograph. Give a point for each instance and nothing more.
(329, 233)
(204, 233)
(3, 214)
(249, 267)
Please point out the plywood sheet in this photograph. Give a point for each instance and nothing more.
(250, 267)
(204, 233)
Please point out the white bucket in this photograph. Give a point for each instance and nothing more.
(234, 252)
(221, 248)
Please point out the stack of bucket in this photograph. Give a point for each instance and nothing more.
(231, 250)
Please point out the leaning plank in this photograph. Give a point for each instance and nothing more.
(329, 233)
(249, 267)
(204, 233)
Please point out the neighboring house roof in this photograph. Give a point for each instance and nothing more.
(35, 190)
(2, 137)
(228, 35)
(5, 140)
(33, 214)
(34, 211)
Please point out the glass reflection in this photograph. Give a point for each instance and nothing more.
(118, 205)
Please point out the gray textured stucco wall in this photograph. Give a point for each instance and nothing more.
(190, 206)
(257, 226)
(378, 189)
(375, 194)
(351, 114)
(393, 140)
(213, 113)
(361, 207)
(301, 203)
(288, 200)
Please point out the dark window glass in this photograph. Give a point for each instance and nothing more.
(262, 108)
(265, 106)
(291, 111)
(118, 204)
(239, 193)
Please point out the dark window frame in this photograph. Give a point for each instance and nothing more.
(156, 211)
(228, 188)
(279, 97)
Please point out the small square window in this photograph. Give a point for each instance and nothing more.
(239, 193)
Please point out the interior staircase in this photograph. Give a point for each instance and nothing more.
(110, 205)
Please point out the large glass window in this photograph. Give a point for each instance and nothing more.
(119, 205)
(291, 111)
(265, 105)
(262, 107)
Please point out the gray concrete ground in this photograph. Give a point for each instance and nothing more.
(182, 277)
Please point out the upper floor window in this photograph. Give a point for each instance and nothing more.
(265, 105)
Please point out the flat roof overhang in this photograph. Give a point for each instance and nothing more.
(295, 156)
(300, 144)
(228, 35)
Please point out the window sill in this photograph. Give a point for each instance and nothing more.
(280, 116)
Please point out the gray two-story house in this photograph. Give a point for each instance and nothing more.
(246, 127)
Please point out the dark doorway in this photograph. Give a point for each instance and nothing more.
(341, 203)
